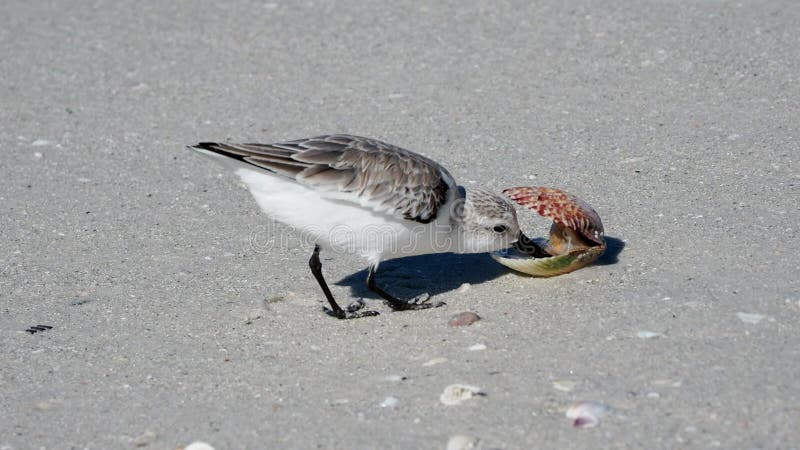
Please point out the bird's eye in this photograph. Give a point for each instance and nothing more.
(500, 228)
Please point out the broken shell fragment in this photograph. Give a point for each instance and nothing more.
(576, 236)
(463, 319)
(462, 442)
(587, 414)
(198, 446)
(390, 402)
(455, 394)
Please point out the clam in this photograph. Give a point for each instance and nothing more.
(576, 236)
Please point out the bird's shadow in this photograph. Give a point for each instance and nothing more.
(614, 247)
(435, 274)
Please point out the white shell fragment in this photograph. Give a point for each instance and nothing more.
(587, 414)
(564, 385)
(668, 382)
(462, 442)
(390, 402)
(147, 438)
(749, 318)
(463, 288)
(477, 347)
(43, 406)
(394, 378)
(434, 362)
(455, 394)
(198, 446)
(644, 334)
(253, 315)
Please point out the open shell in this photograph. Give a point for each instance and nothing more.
(576, 236)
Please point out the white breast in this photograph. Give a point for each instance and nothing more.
(343, 226)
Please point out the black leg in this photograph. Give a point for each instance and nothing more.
(395, 303)
(316, 268)
(336, 310)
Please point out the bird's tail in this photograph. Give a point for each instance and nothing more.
(261, 157)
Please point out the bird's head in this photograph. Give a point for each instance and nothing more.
(486, 222)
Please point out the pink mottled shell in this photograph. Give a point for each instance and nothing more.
(464, 319)
(562, 208)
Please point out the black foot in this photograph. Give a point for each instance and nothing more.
(349, 314)
(418, 302)
(352, 311)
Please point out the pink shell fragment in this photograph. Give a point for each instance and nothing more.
(562, 208)
(587, 414)
(464, 319)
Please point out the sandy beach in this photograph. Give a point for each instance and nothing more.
(180, 313)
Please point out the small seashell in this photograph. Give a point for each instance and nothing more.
(644, 334)
(564, 385)
(463, 319)
(253, 315)
(749, 318)
(576, 236)
(43, 406)
(198, 446)
(274, 299)
(147, 438)
(434, 362)
(587, 414)
(390, 402)
(476, 347)
(462, 442)
(455, 394)
(463, 288)
(668, 382)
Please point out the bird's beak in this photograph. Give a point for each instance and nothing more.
(527, 246)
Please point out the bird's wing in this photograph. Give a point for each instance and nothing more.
(365, 171)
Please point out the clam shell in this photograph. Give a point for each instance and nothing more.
(576, 236)
(548, 267)
(562, 208)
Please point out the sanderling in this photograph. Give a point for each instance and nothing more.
(370, 198)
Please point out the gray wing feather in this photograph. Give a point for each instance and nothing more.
(366, 171)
